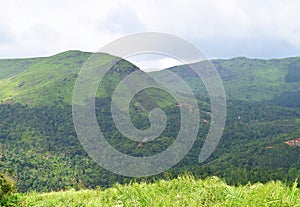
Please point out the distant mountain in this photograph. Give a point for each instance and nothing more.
(250, 79)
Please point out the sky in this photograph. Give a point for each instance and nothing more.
(219, 28)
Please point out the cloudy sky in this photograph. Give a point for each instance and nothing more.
(220, 29)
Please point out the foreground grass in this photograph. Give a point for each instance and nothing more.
(184, 191)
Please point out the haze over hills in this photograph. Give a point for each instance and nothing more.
(39, 146)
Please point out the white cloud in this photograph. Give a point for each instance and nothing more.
(122, 19)
(6, 35)
(219, 28)
(153, 62)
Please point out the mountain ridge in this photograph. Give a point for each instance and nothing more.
(252, 76)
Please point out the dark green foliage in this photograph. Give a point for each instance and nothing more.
(290, 99)
(8, 198)
(40, 146)
(293, 73)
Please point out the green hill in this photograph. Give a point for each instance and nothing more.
(35, 81)
(39, 81)
(183, 191)
(250, 79)
(40, 149)
(50, 80)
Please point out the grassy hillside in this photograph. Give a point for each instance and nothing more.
(50, 80)
(184, 191)
(39, 81)
(249, 79)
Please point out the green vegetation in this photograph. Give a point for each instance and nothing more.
(40, 148)
(183, 191)
(8, 198)
(41, 80)
(247, 79)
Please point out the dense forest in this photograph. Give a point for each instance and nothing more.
(39, 147)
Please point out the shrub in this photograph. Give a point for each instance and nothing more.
(8, 198)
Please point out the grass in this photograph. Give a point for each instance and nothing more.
(183, 191)
(42, 79)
